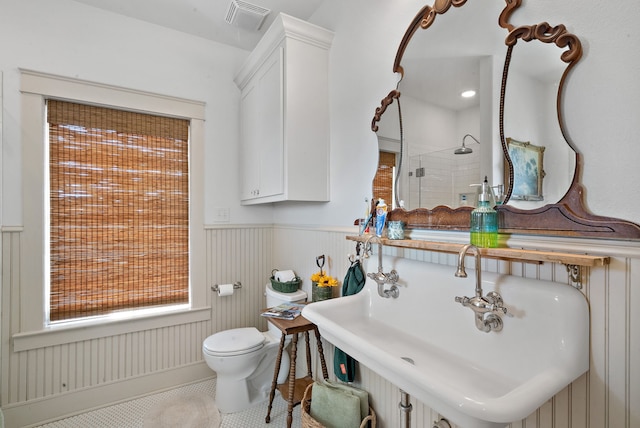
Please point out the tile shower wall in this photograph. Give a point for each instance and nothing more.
(607, 396)
(447, 178)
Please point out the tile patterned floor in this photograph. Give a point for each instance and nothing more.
(131, 413)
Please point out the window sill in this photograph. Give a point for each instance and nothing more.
(61, 334)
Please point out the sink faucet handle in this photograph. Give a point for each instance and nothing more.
(501, 308)
(497, 304)
(464, 301)
(393, 276)
(494, 297)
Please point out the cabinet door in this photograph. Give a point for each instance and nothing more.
(261, 121)
(249, 149)
(272, 126)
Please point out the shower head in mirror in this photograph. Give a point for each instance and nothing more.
(464, 150)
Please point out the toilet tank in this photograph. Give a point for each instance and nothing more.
(275, 298)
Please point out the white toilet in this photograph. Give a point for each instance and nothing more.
(244, 359)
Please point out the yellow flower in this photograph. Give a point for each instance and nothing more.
(324, 280)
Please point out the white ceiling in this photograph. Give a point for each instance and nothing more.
(436, 71)
(205, 18)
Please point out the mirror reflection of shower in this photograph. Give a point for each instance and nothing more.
(464, 150)
(442, 178)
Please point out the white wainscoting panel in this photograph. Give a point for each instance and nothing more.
(608, 396)
(239, 254)
(33, 377)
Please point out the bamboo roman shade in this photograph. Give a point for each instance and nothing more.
(383, 181)
(119, 210)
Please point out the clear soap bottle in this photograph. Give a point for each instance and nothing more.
(484, 220)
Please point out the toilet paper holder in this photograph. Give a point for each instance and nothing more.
(236, 285)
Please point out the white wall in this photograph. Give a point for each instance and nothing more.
(601, 99)
(367, 36)
(70, 39)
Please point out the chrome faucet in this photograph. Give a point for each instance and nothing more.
(487, 308)
(380, 277)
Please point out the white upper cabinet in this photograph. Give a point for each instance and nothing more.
(284, 115)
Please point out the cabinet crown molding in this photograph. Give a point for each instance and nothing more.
(283, 27)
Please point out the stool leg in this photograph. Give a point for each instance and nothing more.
(325, 375)
(274, 383)
(306, 336)
(292, 379)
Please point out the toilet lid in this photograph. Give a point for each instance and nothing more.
(235, 341)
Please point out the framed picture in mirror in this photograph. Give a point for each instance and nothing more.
(528, 170)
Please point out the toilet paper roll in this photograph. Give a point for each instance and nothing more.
(225, 290)
(285, 275)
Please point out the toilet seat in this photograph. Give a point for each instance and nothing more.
(232, 342)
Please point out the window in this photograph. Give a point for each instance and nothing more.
(119, 210)
(383, 181)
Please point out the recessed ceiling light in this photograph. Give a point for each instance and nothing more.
(468, 94)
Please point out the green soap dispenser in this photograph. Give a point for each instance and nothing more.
(484, 220)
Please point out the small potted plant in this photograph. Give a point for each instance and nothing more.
(322, 286)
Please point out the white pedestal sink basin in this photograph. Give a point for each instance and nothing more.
(428, 345)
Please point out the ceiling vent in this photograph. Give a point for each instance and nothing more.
(246, 15)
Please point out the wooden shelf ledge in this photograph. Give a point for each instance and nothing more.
(517, 254)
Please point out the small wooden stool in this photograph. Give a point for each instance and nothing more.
(294, 388)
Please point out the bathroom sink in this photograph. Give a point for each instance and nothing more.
(428, 345)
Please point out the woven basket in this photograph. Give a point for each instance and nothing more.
(309, 422)
(286, 287)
